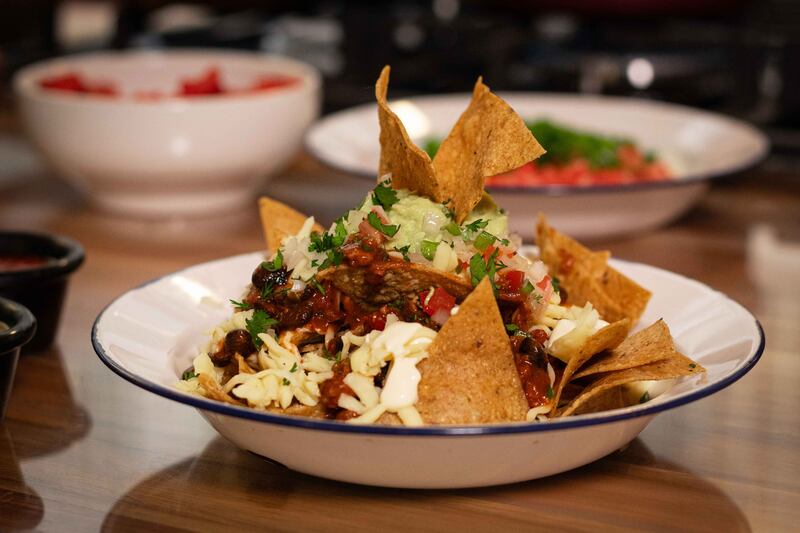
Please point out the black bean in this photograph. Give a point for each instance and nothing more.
(261, 277)
(239, 341)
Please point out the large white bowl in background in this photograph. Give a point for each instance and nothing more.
(150, 334)
(171, 156)
(697, 145)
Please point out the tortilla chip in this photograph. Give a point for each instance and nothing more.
(400, 280)
(410, 166)
(607, 338)
(675, 366)
(469, 376)
(298, 409)
(586, 276)
(488, 139)
(278, 221)
(609, 399)
(652, 344)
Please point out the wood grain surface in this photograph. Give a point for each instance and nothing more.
(83, 450)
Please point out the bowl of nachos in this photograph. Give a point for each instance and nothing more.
(419, 339)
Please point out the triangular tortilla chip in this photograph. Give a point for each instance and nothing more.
(606, 400)
(607, 338)
(488, 139)
(676, 365)
(586, 276)
(411, 167)
(469, 376)
(400, 279)
(278, 221)
(652, 344)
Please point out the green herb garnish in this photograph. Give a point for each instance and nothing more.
(428, 249)
(294, 368)
(314, 282)
(384, 195)
(512, 328)
(476, 225)
(266, 292)
(286, 382)
(404, 250)
(240, 305)
(189, 374)
(550, 392)
(692, 365)
(259, 323)
(645, 397)
(387, 229)
(275, 264)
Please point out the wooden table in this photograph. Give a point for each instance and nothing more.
(83, 450)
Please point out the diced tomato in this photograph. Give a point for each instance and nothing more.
(208, 83)
(487, 253)
(66, 82)
(440, 300)
(511, 280)
(272, 82)
(544, 282)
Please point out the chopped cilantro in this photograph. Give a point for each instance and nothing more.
(294, 368)
(384, 196)
(240, 305)
(259, 323)
(504, 242)
(286, 382)
(404, 250)
(387, 229)
(512, 328)
(266, 292)
(692, 365)
(447, 210)
(314, 282)
(550, 392)
(275, 264)
(335, 257)
(189, 374)
(476, 225)
(527, 288)
(428, 249)
(645, 397)
(484, 240)
(556, 284)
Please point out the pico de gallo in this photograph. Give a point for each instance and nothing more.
(580, 159)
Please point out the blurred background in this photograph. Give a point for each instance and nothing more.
(734, 56)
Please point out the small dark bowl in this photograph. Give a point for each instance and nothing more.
(18, 327)
(40, 288)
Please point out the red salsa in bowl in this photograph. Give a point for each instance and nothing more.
(207, 83)
(34, 271)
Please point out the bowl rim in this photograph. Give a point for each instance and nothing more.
(24, 81)
(19, 332)
(67, 263)
(578, 421)
(764, 148)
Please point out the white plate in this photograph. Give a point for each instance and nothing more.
(149, 336)
(697, 145)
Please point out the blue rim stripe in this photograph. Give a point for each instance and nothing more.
(438, 431)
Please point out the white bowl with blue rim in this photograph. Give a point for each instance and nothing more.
(697, 145)
(150, 334)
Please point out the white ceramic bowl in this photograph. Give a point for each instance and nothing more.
(172, 156)
(150, 334)
(696, 144)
